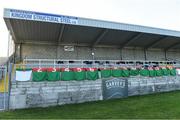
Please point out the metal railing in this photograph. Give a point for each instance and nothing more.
(95, 63)
(64, 63)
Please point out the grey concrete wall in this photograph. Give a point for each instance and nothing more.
(42, 94)
(52, 52)
(133, 54)
(38, 51)
(155, 55)
(107, 53)
(149, 85)
(173, 55)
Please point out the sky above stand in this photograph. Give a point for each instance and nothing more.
(155, 13)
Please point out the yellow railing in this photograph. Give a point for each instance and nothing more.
(4, 85)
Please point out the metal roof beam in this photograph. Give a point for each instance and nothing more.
(61, 33)
(131, 39)
(172, 46)
(50, 42)
(155, 42)
(11, 29)
(62, 44)
(100, 37)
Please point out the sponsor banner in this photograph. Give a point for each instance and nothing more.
(36, 16)
(115, 88)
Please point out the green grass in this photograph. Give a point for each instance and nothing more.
(164, 105)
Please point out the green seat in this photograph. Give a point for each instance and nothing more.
(134, 72)
(53, 76)
(152, 73)
(92, 75)
(39, 76)
(165, 72)
(67, 75)
(144, 72)
(159, 72)
(173, 72)
(125, 73)
(80, 75)
(117, 73)
(106, 73)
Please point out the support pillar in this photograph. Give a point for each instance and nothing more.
(121, 53)
(145, 54)
(57, 51)
(21, 52)
(165, 54)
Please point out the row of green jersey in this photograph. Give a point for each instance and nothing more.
(93, 75)
(142, 72)
(65, 75)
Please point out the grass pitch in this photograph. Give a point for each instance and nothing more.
(161, 105)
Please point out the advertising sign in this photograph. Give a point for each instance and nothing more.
(36, 16)
(115, 88)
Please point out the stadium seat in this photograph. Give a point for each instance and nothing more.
(39, 74)
(125, 72)
(67, 74)
(79, 73)
(152, 72)
(53, 74)
(116, 72)
(92, 73)
(144, 72)
(133, 71)
(106, 72)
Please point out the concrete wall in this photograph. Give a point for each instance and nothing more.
(149, 85)
(42, 94)
(38, 51)
(173, 55)
(133, 54)
(156, 55)
(53, 52)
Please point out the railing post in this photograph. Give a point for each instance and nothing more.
(5, 76)
(54, 63)
(10, 70)
(39, 62)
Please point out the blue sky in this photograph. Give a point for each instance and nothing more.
(154, 13)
